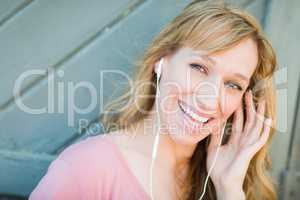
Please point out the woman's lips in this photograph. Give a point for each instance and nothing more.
(194, 125)
(192, 114)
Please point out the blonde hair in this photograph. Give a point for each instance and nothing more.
(211, 27)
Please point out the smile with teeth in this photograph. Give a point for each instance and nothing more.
(191, 114)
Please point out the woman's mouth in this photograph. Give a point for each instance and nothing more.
(193, 115)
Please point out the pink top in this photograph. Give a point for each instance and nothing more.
(91, 169)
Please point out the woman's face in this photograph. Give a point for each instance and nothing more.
(199, 92)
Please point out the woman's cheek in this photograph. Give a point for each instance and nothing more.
(169, 97)
(231, 103)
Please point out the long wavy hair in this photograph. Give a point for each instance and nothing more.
(211, 27)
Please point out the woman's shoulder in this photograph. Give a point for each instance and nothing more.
(81, 169)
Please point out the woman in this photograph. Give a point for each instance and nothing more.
(216, 71)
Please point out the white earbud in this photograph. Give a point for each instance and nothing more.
(159, 68)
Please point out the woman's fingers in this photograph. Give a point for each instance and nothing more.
(260, 115)
(261, 111)
(237, 126)
(250, 110)
(256, 130)
(261, 141)
(259, 121)
(265, 134)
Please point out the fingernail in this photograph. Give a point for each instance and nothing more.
(269, 121)
(250, 94)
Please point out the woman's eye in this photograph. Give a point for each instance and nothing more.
(235, 86)
(199, 67)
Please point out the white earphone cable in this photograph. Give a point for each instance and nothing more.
(156, 139)
(212, 166)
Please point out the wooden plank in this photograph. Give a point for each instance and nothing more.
(257, 8)
(20, 172)
(9, 8)
(294, 151)
(291, 175)
(116, 48)
(291, 185)
(45, 33)
(240, 3)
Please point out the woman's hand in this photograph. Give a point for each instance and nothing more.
(234, 157)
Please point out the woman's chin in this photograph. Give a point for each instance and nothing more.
(184, 132)
(188, 138)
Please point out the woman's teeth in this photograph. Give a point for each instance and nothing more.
(192, 114)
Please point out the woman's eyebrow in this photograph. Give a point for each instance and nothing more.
(205, 57)
(241, 77)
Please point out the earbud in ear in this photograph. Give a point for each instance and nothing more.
(159, 68)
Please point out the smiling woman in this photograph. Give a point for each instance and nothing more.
(216, 79)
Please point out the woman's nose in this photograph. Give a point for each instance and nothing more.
(208, 95)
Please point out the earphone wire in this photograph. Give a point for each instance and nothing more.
(156, 140)
(212, 166)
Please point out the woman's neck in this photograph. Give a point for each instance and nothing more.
(169, 153)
